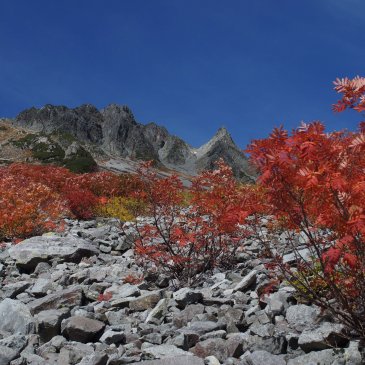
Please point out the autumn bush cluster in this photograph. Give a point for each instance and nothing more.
(36, 198)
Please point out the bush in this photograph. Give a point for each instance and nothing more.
(187, 241)
(315, 184)
(35, 198)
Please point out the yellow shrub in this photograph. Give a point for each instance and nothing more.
(125, 209)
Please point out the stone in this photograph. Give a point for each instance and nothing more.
(221, 349)
(328, 335)
(11, 347)
(248, 281)
(95, 359)
(41, 287)
(182, 318)
(110, 336)
(30, 252)
(265, 358)
(180, 360)
(15, 317)
(162, 351)
(145, 301)
(82, 329)
(324, 357)
(123, 291)
(301, 316)
(158, 313)
(73, 352)
(186, 296)
(49, 323)
(69, 297)
(211, 360)
(203, 327)
(13, 289)
(276, 345)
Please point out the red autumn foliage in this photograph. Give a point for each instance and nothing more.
(188, 240)
(314, 183)
(34, 198)
(133, 279)
(105, 297)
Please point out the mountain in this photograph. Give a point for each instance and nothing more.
(115, 140)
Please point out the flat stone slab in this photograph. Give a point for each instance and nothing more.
(181, 360)
(29, 253)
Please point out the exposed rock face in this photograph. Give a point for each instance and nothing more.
(116, 132)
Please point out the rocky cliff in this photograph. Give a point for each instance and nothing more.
(115, 132)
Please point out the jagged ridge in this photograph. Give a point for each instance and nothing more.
(116, 132)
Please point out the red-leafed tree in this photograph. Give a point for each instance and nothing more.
(315, 185)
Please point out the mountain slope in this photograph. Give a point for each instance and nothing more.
(113, 133)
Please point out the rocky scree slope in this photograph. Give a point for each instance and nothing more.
(51, 311)
(113, 133)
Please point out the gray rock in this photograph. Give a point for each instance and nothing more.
(211, 360)
(275, 345)
(82, 329)
(95, 359)
(246, 282)
(49, 323)
(69, 297)
(180, 360)
(328, 335)
(11, 347)
(186, 296)
(145, 301)
(12, 290)
(124, 291)
(110, 336)
(325, 357)
(29, 253)
(203, 327)
(301, 316)
(41, 286)
(15, 317)
(73, 352)
(158, 313)
(264, 358)
(221, 349)
(163, 351)
(182, 318)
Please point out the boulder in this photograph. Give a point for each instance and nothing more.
(69, 297)
(181, 360)
(264, 358)
(221, 349)
(110, 336)
(163, 351)
(82, 329)
(30, 252)
(328, 335)
(10, 348)
(145, 301)
(186, 296)
(301, 316)
(49, 322)
(246, 282)
(15, 317)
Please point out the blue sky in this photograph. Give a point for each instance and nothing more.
(190, 65)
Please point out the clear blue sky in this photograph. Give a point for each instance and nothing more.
(190, 65)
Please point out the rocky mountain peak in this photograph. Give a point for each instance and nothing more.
(115, 130)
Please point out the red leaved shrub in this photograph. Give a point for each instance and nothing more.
(34, 198)
(315, 185)
(186, 241)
